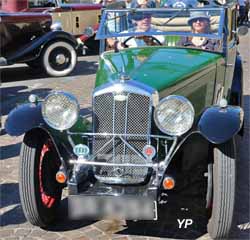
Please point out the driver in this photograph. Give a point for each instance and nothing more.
(200, 23)
(142, 22)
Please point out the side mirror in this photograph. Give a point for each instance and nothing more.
(242, 30)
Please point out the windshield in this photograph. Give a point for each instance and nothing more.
(167, 25)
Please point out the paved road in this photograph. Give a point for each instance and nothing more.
(18, 82)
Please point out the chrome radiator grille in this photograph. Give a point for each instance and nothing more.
(128, 113)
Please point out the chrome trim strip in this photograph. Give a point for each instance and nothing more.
(167, 158)
(128, 86)
(156, 211)
(113, 130)
(126, 125)
(121, 135)
(84, 161)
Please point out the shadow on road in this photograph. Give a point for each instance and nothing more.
(13, 96)
(241, 219)
(13, 217)
(23, 72)
(10, 151)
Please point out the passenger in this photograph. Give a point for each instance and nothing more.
(200, 23)
(142, 24)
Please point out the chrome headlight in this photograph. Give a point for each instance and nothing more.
(174, 115)
(60, 110)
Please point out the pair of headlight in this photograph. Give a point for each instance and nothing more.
(174, 115)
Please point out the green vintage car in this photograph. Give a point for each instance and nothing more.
(167, 99)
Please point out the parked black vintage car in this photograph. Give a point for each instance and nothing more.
(32, 38)
(160, 110)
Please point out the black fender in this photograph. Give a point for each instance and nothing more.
(33, 50)
(23, 118)
(218, 125)
(62, 149)
(237, 84)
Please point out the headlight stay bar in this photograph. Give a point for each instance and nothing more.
(162, 164)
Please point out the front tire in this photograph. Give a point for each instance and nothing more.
(224, 179)
(59, 59)
(40, 194)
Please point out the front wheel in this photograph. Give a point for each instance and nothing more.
(40, 194)
(59, 59)
(223, 190)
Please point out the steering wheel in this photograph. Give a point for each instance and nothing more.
(149, 40)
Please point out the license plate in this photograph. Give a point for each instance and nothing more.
(99, 207)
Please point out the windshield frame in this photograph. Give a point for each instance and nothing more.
(61, 3)
(102, 35)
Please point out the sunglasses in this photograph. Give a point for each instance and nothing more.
(200, 20)
(139, 17)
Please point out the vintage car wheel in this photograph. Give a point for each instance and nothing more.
(39, 192)
(59, 59)
(224, 177)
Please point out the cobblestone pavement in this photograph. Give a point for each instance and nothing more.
(21, 82)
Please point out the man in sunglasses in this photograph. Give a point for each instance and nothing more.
(142, 23)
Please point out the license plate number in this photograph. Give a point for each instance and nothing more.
(99, 207)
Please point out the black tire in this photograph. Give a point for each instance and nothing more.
(40, 194)
(59, 58)
(224, 180)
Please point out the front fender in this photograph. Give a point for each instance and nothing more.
(33, 49)
(219, 125)
(23, 118)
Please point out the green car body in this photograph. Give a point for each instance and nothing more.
(171, 71)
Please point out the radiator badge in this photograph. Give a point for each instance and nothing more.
(81, 150)
(120, 97)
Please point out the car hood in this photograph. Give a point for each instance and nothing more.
(158, 67)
